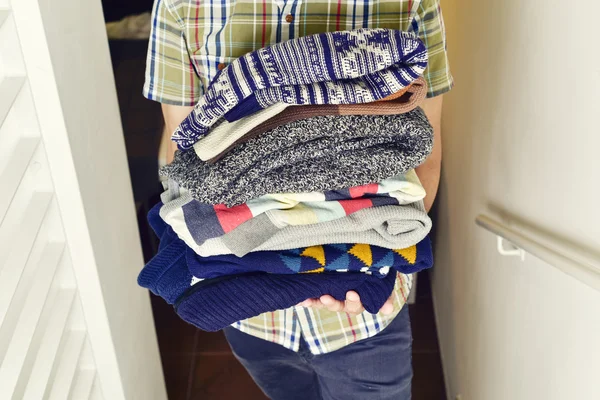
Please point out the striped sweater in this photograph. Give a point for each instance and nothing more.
(358, 66)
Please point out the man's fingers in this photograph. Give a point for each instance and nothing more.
(314, 303)
(388, 307)
(305, 303)
(332, 304)
(353, 304)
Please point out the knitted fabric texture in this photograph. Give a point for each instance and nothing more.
(358, 66)
(210, 221)
(401, 105)
(215, 303)
(223, 133)
(223, 136)
(344, 257)
(212, 304)
(296, 113)
(385, 226)
(372, 260)
(164, 275)
(389, 226)
(309, 155)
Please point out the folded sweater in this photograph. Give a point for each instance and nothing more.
(309, 155)
(386, 226)
(211, 221)
(358, 66)
(239, 288)
(224, 135)
(343, 257)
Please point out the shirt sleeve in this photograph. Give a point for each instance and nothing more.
(432, 32)
(171, 77)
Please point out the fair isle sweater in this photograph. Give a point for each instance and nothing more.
(357, 66)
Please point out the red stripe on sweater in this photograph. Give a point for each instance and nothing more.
(360, 191)
(231, 218)
(352, 206)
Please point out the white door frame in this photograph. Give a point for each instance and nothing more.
(68, 67)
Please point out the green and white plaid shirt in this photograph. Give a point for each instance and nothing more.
(192, 40)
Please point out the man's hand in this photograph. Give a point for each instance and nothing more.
(429, 175)
(351, 305)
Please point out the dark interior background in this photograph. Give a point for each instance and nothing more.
(114, 10)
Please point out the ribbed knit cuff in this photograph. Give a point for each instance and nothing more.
(166, 274)
(392, 227)
(213, 307)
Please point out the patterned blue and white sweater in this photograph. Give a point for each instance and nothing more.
(348, 67)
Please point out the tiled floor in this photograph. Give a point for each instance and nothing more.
(197, 364)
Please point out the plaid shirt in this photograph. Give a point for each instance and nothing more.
(191, 41)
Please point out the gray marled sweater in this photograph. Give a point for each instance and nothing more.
(315, 154)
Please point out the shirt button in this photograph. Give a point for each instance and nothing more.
(221, 66)
(289, 18)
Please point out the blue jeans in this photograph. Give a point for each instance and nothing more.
(375, 368)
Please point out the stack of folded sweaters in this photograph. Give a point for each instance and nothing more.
(295, 178)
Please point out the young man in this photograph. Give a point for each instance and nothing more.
(322, 348)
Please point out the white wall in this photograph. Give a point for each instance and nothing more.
(521, 138)
(68, 67)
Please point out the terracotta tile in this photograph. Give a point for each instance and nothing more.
(175, 337)
(218, 377)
